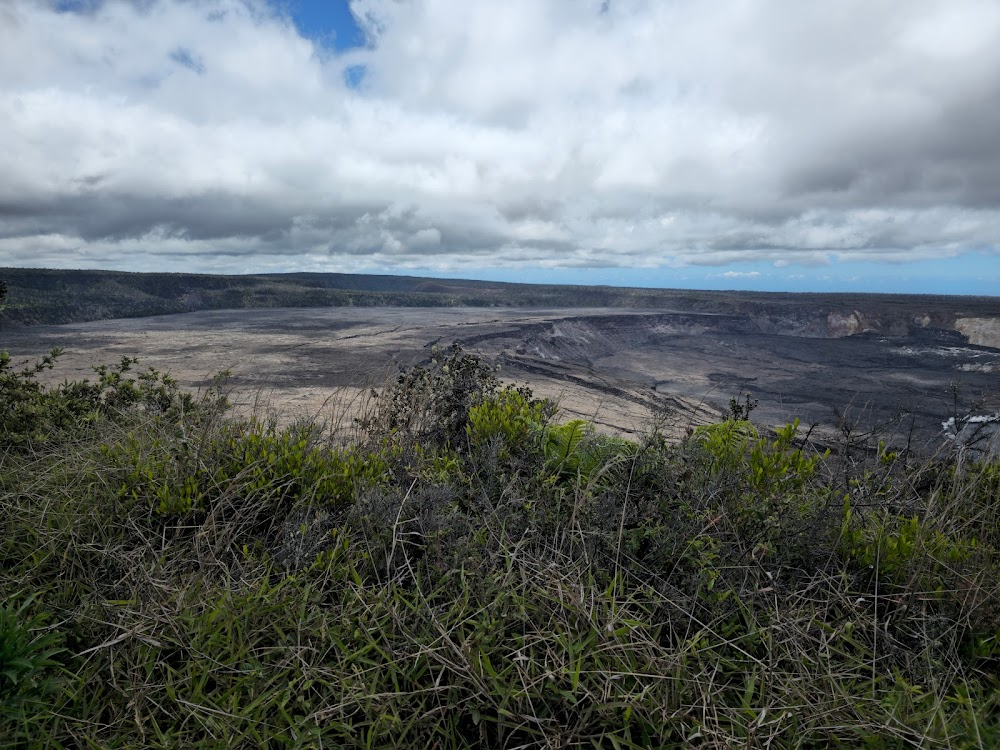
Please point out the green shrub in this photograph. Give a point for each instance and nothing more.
(27, 648)
(767, 491)
(894, 545)
(32, 414)
(249, 461)
(510, 415)
(575, 451)
(768, 467)
(431, 404)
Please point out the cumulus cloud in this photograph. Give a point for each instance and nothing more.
(212, 135)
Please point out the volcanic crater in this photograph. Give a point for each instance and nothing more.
(901, 373)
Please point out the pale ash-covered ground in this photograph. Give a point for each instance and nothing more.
(323, 362)
(620, 368)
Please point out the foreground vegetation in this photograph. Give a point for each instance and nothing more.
(465, 570)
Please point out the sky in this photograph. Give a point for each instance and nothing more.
(848, 145)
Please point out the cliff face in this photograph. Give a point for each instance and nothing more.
(945, 323)
(826, 323)
(980, 331)
(840, 324)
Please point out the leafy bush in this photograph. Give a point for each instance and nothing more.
(252, 460)
(509, 415)
(31, 414)
(433, 403)
(766, 489)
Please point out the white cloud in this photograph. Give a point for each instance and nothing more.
(741, 274)
(530, 132)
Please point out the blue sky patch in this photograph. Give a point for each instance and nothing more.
(327, 22)
(76, 6)
(974, 273)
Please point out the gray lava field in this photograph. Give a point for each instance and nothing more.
(899, 371)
